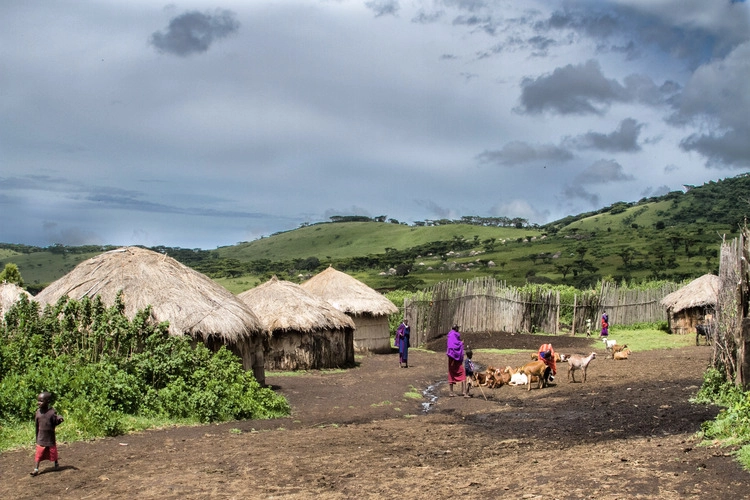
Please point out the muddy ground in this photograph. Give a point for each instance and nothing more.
(628, 432)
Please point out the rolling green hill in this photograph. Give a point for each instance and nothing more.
(674, 237)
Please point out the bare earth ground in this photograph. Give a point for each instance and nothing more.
(628, 432)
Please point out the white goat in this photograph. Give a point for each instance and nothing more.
(579, 362)
(608, 343)
(518, 378)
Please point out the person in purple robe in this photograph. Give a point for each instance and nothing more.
(403, 332)
(455, 353)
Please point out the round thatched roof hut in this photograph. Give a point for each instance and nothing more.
(306, 331)
(368, 308)
(193, 304)
(9, 295)
(693, 304)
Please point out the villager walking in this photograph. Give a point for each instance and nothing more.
(455, 353)
(605, 325)
(46, 419)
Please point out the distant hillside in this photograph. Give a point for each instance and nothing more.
(675, 237)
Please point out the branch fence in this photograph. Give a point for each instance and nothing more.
(487, 305)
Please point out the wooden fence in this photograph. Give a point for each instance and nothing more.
(731, 338)
(487, 305)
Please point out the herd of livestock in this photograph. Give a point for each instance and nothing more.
(533, 372)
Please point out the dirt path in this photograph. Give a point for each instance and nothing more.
(628, 432)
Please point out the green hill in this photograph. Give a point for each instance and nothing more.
(674, 237)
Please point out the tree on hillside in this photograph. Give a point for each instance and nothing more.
(11, 274)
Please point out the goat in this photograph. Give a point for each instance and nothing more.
(579, 362)
(618, 348)
(702, 330)
(621, 354)
(535, 369)
(608, 344)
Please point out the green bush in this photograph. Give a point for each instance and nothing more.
(103, 367)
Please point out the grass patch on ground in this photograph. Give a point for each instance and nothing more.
(413, 393)
(21, 435)
(648, 339)
(299, 373)
(506, 352)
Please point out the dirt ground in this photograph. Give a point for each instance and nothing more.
(628, 432)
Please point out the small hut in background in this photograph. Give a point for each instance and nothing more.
(368, 308)
(192, 303)
(9, 295)
(306, 332)
(693, 304)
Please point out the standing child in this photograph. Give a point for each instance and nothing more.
(46, 419)
(469, 369)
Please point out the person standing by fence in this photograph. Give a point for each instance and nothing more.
(605, 325)
(402, 342)
(455, 353)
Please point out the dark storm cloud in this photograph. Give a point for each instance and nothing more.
(658, 191)
(730, 149)
(600, 172)
(518, 153)
(622, 140)
(483, 23)
(717, 94)
(578, 191)
(571, 89)
(616, 27)
(603, 172)
(468, 5)
(423, 17)
(583, 89)
(194, 32)
(383, 7)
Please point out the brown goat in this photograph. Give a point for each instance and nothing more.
(618, 348)
(622, 354)
(535, 369)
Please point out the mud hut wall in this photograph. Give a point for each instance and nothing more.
(316, 350)
(252, 355)
(372, 334)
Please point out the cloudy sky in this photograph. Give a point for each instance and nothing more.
(201, 124)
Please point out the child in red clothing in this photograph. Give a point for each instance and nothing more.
(46, 419)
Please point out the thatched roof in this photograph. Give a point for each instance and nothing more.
(192, 303)
(285, 306)
(348, 294)
(700, 292)
(9, 295)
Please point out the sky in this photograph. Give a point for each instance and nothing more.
(200, 124)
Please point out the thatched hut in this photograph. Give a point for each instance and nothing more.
(693, 304)
(368, 308)
(192, 303)
(306, 332)
(9, 295)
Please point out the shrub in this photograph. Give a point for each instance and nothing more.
(103, 367)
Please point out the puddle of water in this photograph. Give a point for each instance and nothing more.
(431, 394)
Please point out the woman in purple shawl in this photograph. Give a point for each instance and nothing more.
(402, 342)
(455, 353)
